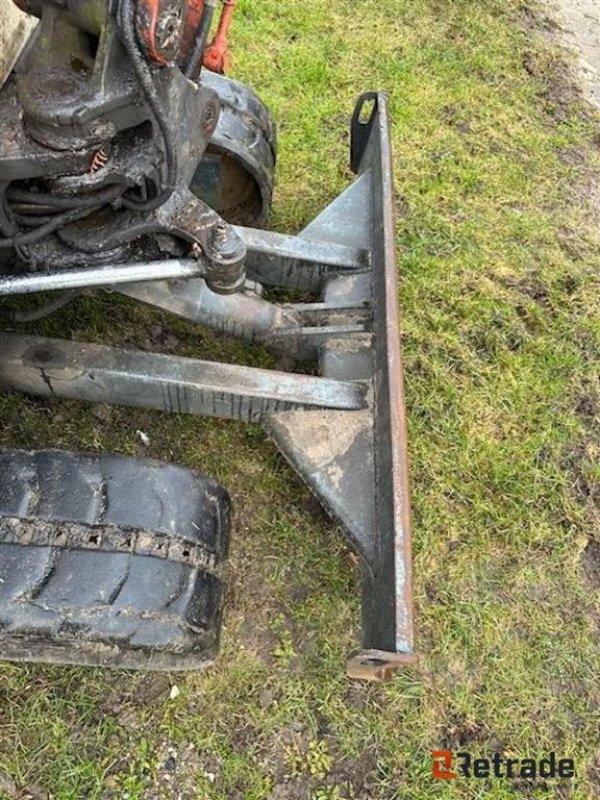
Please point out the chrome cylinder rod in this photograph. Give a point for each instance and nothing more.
(109, 275)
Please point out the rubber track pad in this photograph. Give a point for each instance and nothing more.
(109, 560)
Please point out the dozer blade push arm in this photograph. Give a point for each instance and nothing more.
(343, 429)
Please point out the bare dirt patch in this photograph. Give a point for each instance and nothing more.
(590, 564)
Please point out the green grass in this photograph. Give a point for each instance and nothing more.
(498, 255)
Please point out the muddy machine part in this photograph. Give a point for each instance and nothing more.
(126, 164)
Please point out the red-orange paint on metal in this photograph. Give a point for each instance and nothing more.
(217, 57)
(147, 19)
(192, 25)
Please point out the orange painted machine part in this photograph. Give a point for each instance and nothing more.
(147, 15)
(217, 57)
(192, 25)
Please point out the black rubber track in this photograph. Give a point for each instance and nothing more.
(109, 560)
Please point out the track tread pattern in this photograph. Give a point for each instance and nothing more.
(104, 607)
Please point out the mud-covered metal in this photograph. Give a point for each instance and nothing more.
(102, 133)
(343, 428)
(357, 461)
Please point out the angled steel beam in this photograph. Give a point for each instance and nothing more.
(344, 431)
(57, 368)
(357, 462)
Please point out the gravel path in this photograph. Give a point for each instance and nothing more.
(581, 22)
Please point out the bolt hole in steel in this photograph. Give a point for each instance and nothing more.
(366, 112)
(373, 662)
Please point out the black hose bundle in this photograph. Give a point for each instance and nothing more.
(144, 76)
(42, 213)
(77, 209)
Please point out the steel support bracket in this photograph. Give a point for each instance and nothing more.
(343, 429)
(356, 461)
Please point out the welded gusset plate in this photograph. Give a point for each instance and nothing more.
(356, 461)
(343, 429)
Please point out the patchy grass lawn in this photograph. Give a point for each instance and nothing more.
(495, 164)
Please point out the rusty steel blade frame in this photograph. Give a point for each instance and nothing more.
(343, 429)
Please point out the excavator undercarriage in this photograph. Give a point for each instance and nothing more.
(128, 162)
